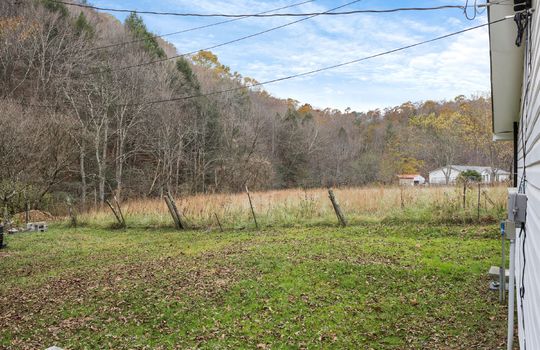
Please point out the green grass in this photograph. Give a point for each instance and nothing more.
(376, 286)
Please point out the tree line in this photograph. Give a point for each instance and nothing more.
(76, 125)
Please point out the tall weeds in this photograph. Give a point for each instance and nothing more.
(299, 207)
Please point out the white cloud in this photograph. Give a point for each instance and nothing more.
(457, 65)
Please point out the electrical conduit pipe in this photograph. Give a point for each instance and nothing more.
(511, 294)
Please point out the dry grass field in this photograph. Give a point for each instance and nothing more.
(297, 207)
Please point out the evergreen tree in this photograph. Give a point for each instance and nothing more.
(54, 6)
(183, 67)
(136, 26)
(83, 27)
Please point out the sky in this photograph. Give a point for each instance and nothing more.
(437, 71)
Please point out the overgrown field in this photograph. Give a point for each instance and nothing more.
(300, 208)
(376, 286)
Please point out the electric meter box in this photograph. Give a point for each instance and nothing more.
(517, 206)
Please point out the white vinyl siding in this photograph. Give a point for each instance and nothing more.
(438, 177)
(529, 330)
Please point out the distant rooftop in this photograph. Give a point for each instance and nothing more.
(477, 168)
(408, 176)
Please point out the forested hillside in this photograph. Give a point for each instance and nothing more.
(76, 124)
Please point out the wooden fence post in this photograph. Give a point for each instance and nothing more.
(252, 210)
(121, 223)
(171, 204)
(183, 225)
(219, 223)
(464, 194)
(72, 214)
(478, 207)
(27, 212)
(488, 199)
(73, 217)
(171, 211)
(337, 208)
(6, 217)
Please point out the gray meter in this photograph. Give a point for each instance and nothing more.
(517, 206)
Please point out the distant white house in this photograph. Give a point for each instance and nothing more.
(411, 180)
(449, 174)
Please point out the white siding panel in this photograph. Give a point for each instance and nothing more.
(532, 141)
(438, 177)
(529, 325)
(531, 306)
(533, 158)
(534, 106)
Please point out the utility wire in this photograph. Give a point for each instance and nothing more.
(218, 45)
(188, 97)
(201, 27)
(180, 14)
(262, 13)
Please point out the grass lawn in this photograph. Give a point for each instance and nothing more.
(365, 287)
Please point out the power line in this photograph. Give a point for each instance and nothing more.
(218, 45)
(182, 98)
(200, 27)
(188, 97)
(181, 14)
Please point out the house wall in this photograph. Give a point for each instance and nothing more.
(488, 178)
(528, 247)
(420, 180)
(502, 178)
(417, 180)
(437, 177)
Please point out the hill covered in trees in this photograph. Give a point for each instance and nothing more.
(77, 124)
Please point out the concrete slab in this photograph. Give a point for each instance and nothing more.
(494, 272)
